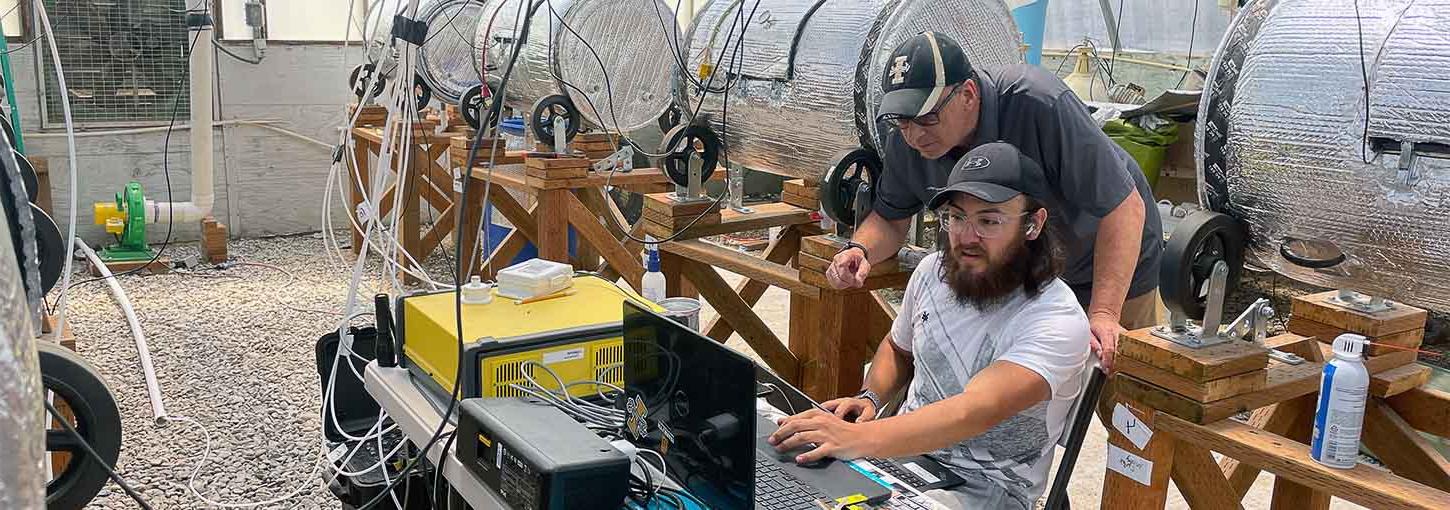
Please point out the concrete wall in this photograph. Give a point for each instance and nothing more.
(266, 183)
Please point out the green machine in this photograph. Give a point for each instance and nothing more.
(126, 218)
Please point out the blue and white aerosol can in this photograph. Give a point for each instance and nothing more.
(1339, 417)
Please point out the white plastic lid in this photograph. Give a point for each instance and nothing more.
(475, 292)
(1350, 345)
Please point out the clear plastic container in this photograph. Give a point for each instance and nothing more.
(534, 277)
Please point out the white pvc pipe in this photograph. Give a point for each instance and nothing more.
(153, 389)
(203, 195)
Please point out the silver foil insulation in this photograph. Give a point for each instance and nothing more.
(22, 427)
(1293, 145)
(614, 59)
(805, 78)
(445, 61)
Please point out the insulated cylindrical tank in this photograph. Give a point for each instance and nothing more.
(613, 59)
(445, 60)
(805, 82)
(1322, 123)
(22, 431)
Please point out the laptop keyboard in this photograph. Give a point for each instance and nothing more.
(775, 489)
(898, 472)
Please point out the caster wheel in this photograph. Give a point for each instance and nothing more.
(548, 109)
(687, 142)
(474, 104)
(670, 118)
(1196, 244)
(73, 381)
(422, 93)
(359, 78)
(838, 190)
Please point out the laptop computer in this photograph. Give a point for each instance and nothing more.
(701, 396)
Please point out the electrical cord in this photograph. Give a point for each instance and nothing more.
(1193, 32)
(86, 445)
(217, 44)
(1364, 72)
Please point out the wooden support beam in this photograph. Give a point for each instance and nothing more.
(729, 305)
(552, 215)
(440, 229)
(1285, 382)
(1291, 494)
(360, 174)
(775, 214)
(1122, 492)
(675, 282)
(1364, 485)
(740, 263)
(410, 223)
(1195, 364)
(1425, 409)
(1402, 448)
(780, 252)
(1199, 479)
(1399, 380)
(1276, 419)
(595, 234)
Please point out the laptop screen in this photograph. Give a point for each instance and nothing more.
(700, 393)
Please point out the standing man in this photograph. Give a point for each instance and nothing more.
(937, 107)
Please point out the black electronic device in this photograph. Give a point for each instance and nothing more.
(919, 471)
(703, 394)
(354, 412)
(538, 458)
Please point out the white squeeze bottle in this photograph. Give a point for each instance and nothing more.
(1339, 417)
(653, 283)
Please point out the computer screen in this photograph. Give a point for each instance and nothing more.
(701, 394)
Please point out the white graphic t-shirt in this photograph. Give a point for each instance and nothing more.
(951, 341)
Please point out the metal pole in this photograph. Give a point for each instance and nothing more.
(19, 141)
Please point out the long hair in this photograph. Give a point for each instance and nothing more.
(1044, 258)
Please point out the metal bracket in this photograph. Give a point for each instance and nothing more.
(695, 191)
(1361, 302)
(561, 135)
(621, 161)
(1406, 176)
(735, 185)
(1253, 323)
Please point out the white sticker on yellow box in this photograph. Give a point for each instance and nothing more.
(551, 358)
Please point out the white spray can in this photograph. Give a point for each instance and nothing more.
(1339, 417)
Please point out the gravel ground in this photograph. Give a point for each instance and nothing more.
(234, 351)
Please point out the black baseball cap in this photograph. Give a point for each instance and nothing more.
(995, 172)
(919, 73)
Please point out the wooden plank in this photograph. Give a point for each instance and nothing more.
(801, 188)
(1425, 409)
(664, 205)
(823, 246)
(543, 163)
(1377, 364)
(780, 252)
(819, 265)
(703, 218)
(502, 255)
(520, 217)
(1402, 448)
(1208, 391)
(1408, 339)
(1398, 380)
(1402, 317)
(729, 305)
(440, 229)
(673, 266)
(801, 202)
(1288, 493)
(553, 234)
(773, 214)
(1199, 365)
(1284, 382)
(557, 173)
(743, 264)
(884, 281)
(594, 137)
(1199, 479)
(360, 174)
(591, 230)
(1277, 419)
(837, 333)
(1121, 492)
(1364, 485)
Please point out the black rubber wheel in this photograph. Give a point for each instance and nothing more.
(551, 107)
(1311, 253)
(670, 118)
(474, 103)
(852, 168)
(51, 246)
(687, 142)
(1196, 244)
(28, 176)
(80, 386)
(422, 93)
(359, 78)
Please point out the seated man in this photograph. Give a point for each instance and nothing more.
(993, 344)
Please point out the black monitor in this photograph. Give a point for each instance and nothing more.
(703, 393)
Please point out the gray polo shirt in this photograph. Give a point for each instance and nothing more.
(1087, 173)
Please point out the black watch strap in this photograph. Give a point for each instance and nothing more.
(854, 244)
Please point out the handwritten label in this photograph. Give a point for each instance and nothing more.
(1128, 424)
(1129, 465)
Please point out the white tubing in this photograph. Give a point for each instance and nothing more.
(70, 234)
(153, 389)
(203, 196)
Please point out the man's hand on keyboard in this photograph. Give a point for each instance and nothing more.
(832, 436)
(854, 409)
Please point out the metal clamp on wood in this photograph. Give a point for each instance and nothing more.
(410, 30)
(621, 161)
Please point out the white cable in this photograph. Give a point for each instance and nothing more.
(70, 236)
(383, 467)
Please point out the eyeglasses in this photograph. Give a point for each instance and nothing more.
(929, 119)
(986, 225)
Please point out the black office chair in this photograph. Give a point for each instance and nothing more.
(1074, 432)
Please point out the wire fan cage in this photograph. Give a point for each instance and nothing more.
(125, 61)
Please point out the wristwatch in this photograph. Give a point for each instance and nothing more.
(854, 244)
(872, 396)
